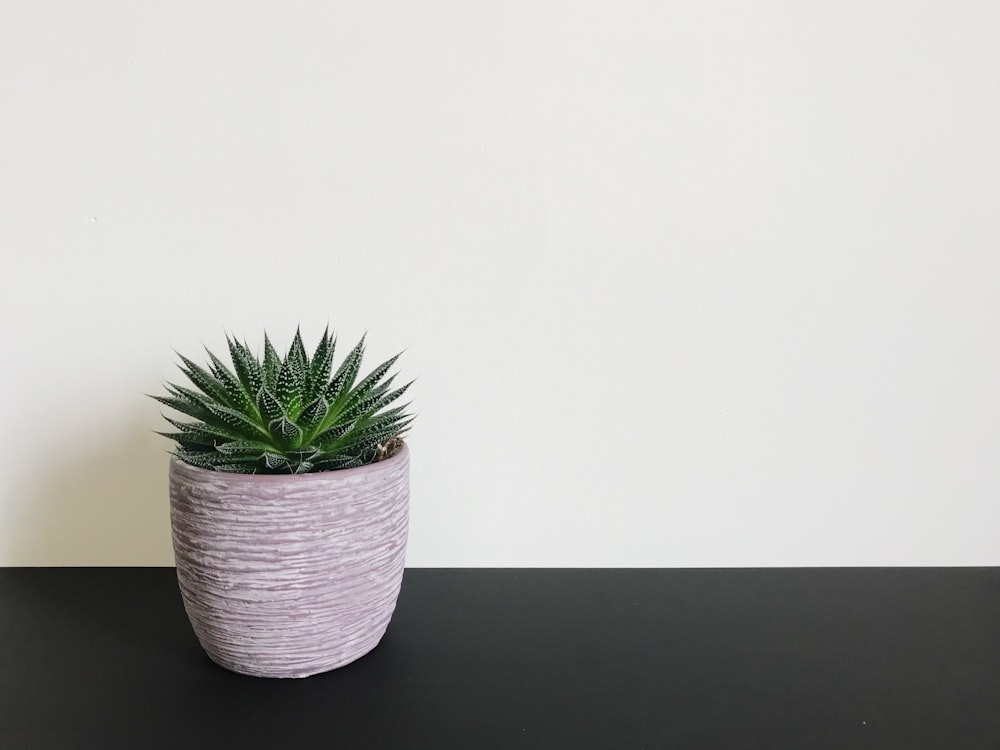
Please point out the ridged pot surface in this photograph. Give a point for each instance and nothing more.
(290, 575)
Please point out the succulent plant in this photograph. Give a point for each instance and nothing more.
(286, 415)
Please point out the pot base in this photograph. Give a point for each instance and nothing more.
(288, 671)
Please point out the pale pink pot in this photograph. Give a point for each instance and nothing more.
(290, 575)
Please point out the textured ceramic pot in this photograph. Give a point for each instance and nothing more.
(290, 575)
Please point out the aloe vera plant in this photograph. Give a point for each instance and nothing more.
(279, 415)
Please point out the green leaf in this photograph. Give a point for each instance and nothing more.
(390, 397)
(202, 459)
(194, 398)
(376, 402)
(383, 418)
(246, 459)
(235, 468)
(238, 421)
(337, 461)
(305, 453)
(249, 447)
(247, 367)
(319, 370)
(313, 415)
(343, 379)
(184, 406)
(203, 432)
(388, 428)
(357, 432)
(360, 438)
(205, 381)
(382, 431)
(329, 437)
(297, 351)
(286, 432)
(238, 396)
(369, 383)
(291, 380)
(268, 405)
(361, 445)
(275, 461)
(217, 461)
(272, 363)
(403, 429)
(361, 407)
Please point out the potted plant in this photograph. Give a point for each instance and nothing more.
(289, 501)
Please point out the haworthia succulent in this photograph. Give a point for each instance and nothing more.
(285, 415)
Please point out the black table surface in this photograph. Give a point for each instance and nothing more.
(738, 658)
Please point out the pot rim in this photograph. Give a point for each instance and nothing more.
(357, 471)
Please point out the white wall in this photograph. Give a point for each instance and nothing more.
(686, 284)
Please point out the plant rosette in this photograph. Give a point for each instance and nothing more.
(289, 506)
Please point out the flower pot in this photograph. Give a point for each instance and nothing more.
(289, 575)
